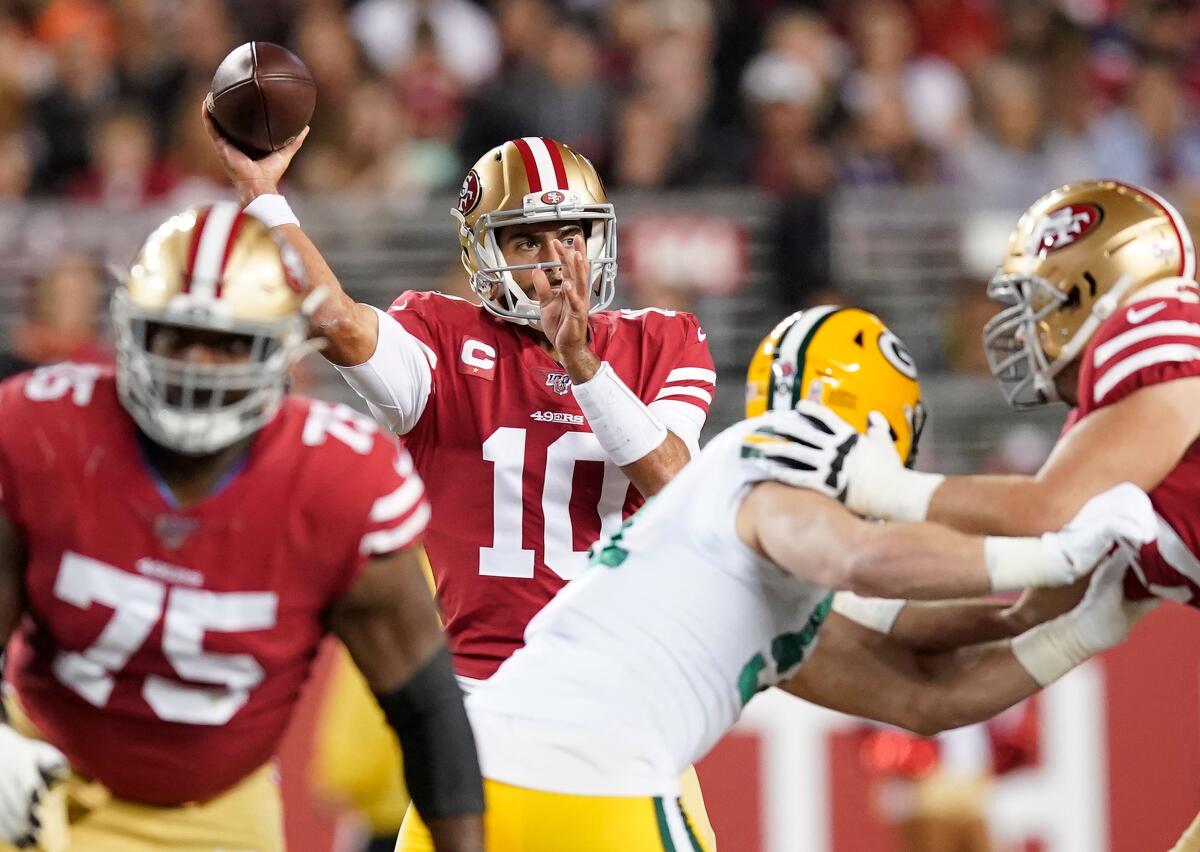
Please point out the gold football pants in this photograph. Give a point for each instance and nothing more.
(83, 816)
(522, 820)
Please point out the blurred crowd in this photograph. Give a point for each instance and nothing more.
(1003, 97)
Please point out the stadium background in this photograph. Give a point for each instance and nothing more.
(763, 156)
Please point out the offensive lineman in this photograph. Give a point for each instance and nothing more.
(176, 540)
(1102, 313)
(722, 586)
(538, 420)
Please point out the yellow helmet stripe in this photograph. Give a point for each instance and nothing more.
(792, 346)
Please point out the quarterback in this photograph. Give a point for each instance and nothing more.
(723, 586)
(176, 538)
(539, 420)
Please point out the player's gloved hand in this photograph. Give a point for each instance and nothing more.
(806, 449)
(27, 770)
(820, 451)
(1101, 620)
(1122, 516)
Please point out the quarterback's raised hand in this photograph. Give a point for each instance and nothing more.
(564, 302)
(28, 769)
(250, 177)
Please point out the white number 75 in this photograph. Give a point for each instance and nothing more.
(138, 603)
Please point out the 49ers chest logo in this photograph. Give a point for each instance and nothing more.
(471, 192)
(1064, 226)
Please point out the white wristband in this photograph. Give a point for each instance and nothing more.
(624, 426)
(1014, 564)
(271, 210)
(878, 614)
(1050, 650)
(897, 494)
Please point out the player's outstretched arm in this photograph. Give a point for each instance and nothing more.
(859, 670)
(389, 623)
(821, 541)
(1139, 439)
(350, 329)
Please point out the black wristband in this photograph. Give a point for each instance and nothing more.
(441, 767)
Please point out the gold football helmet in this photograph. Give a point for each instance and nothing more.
(846, 359)
(216, 269)
(532, 179)
(1076, 255)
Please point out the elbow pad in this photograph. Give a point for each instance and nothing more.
(441, 766)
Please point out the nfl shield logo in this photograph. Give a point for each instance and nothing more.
(173, 530)
(560, 383)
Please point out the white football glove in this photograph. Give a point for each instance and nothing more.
(806, 449)
(27, 770)
(1121, 515)
(820, 451)
(1101, 620)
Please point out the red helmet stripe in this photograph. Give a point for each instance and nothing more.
(234, 230)
(530, 163)
(560, 169)
(197, 232)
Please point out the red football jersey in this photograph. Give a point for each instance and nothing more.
(164, 649)
(1151, 341)
(519, 484)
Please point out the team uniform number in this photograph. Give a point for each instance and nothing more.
(506, 557)
(220, 683)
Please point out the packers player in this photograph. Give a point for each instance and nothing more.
(723, 586)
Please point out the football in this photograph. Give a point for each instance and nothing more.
(262, 95)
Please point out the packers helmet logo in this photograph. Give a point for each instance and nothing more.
(1064, 226)
(470, 194)
(897, 354)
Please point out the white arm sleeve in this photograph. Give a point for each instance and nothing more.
(398, 377)
(682, 418)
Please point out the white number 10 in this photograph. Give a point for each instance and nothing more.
(506, 450)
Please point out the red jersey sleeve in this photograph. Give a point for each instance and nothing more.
(684, 376)
(1147, 343)
(362, 496)
(414, 310)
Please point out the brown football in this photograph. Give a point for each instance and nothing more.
(262, 95)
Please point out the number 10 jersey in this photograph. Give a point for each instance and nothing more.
(519, 485)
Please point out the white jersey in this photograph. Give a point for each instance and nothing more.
(637, 668)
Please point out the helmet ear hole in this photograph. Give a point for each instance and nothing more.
(1073, 299)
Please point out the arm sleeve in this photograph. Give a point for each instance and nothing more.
(397, 380)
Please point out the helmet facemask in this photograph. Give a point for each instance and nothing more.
(198, 409)
(1013, 339)
(493, 281)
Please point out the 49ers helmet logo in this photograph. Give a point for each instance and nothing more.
(1061, 227)
(553, 197)
(471, 192)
